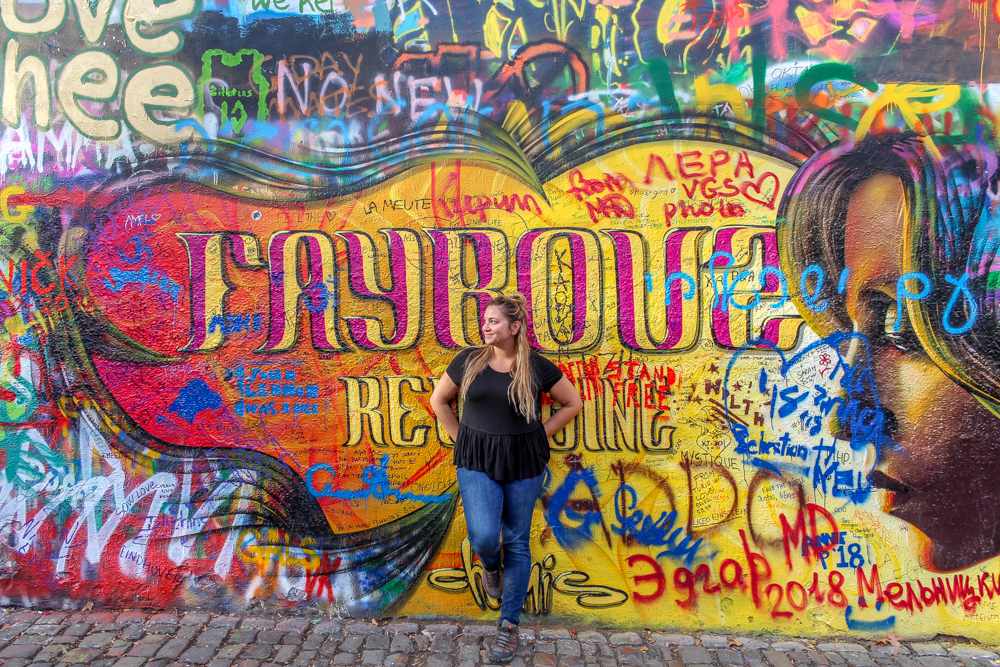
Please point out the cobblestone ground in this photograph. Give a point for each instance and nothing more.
(138, 639)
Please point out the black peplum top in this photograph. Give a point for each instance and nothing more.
(493, 437)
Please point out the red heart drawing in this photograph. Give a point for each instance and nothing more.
(757, 188)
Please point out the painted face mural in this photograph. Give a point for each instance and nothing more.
(918, 317)
(241, 241)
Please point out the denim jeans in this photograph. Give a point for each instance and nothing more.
(492, 508)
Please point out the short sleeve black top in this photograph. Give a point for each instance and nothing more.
(493, 437)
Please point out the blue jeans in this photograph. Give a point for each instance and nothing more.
(495, 507)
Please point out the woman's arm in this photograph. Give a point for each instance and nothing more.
(566, 395)
(441, 399)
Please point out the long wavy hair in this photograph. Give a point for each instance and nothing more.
(523, 390)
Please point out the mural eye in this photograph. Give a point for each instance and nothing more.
(896, 329)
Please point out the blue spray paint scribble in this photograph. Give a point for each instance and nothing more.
(956, 289)
(235, 323)
(883, 625)
(140, 249)
(747, 446)
(853, 406)
(193, 398)
(376, 485)
(661, 532)
(143, 277)
(586, 515)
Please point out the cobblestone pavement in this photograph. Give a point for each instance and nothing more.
(139, 639)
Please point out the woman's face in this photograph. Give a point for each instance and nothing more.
(497, 329)
(941, 475)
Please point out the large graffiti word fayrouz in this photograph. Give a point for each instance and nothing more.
(241, 241)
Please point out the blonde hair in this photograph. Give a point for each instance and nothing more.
(523, 389)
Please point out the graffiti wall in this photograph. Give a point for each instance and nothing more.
(241, 240)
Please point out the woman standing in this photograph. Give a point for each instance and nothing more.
(501, 450)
